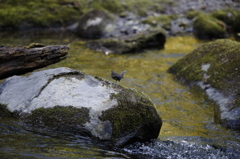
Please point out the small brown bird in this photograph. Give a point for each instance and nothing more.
(117, 76)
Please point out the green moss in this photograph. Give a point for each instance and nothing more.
(37, 13)
(139, 7)
(225, 15)
(113, 6)
(208, 27)
(60, 118)
(4, 112)
(223, 57)
(134, 109)
(48, 13)
(193, 13)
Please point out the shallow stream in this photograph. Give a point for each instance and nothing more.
(188, 129)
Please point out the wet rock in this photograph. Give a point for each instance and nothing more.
(207, 27)
(130, 44)
(215, 68)
(128, 24)
(181, 25)
(94, 24)
(68, 100)
(163, 21)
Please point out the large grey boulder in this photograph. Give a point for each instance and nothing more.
(69, 100)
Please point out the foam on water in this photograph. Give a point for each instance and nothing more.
(179, 150)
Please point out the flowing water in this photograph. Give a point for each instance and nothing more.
(188, 129)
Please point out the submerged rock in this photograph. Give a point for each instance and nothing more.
(69, 100)
(215, 68)
(94, 24)
(130, 44)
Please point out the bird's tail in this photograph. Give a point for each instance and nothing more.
(123, 73)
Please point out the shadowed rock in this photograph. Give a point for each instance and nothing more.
(130, 44)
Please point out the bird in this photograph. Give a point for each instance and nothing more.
(117, 76)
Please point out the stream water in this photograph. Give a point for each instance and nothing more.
(188, 129)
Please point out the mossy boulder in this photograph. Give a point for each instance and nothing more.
(130, 44)
(215, 68)
(95, 24)
(67, 100)
(225, 15)
(207, 27)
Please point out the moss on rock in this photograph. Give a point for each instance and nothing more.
(113, 6)
(225, 15)
(69, 118)
(208, 27)
(223, 57)
(135, 115)
(4, 112)
(223, 72)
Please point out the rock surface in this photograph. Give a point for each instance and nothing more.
(215, 68)
(208, 27)
(69, 100)
(20, 60)
(94, 24)
(130, 44)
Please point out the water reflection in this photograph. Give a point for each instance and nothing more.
(187, 115)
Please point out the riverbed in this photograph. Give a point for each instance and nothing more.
(188, 129)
